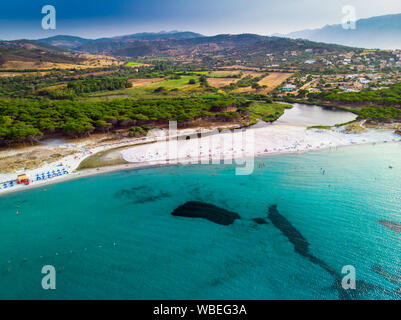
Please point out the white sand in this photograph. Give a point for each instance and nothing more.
(274, 139)
(72, 162)
(269, 140)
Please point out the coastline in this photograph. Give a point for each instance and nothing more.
(73, 165)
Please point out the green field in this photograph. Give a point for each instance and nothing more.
(222, 74)
(177, 83)
(214, 74)
(199, 72)
(133, 63)
(180, 87)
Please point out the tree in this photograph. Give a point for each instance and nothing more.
(302, 93)
(77, 128)
(2, 60)
(203, 81)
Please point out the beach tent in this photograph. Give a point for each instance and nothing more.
(23, 179)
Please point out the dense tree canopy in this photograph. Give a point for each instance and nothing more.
(25, 119)
(377, 113)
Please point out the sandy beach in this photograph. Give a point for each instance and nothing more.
(253, 142)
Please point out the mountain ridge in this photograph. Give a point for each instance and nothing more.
(380, 32)
(189, 44)
(34, 51)
(74, 42)
(222, 48)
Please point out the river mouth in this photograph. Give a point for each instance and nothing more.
(313, 115)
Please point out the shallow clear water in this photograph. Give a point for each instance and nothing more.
(53, 142)
(113, 236)
(310, 115)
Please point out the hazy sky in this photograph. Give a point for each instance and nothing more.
(101, 18)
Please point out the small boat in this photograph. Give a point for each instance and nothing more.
(398, 131)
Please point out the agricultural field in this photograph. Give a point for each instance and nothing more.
(182, 83)
(274, 79)
(133, 64)
(239, 67)
(153, 88)
(217, 74)
(137, 83)
(224, 74)
(215, 78)
(206, 73)
(24, 65)
(85, 61)
(268, 83)
(220, 82)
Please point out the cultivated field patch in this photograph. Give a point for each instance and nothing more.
(273, 80)
(182, 83)
(137, 83)
(220, 82)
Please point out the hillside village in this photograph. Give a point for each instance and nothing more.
(351, 72)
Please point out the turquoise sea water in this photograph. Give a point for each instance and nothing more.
(113, 236)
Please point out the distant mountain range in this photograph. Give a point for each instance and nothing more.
(224, 47)
(67, 42)
(189, 44)
(61, 48)
(383, 32)
(71, 42)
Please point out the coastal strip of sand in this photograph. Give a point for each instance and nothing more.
(268, 140)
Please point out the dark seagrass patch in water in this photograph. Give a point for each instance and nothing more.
(202, 210)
